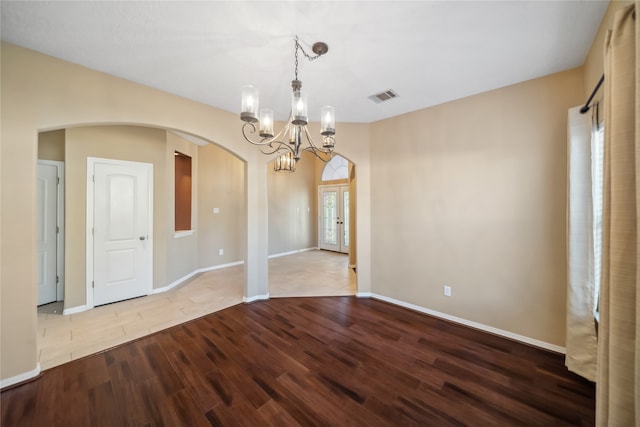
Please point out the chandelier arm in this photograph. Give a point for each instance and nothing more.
(264, 141)
(252, 130)
(279, 146)
(319, 153)
(309, 138)
(312, 145)
(277, 138)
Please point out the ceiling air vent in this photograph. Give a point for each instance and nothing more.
(383, 96)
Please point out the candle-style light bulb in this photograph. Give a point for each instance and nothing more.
(266, 123)
(250, 100)
(327, 121)
(299, 108)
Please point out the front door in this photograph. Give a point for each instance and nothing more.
(122, 246)
(334, 218)
(47, 232)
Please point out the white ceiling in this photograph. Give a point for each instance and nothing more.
(429, 52)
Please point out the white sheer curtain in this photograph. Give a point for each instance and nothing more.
(581, 342)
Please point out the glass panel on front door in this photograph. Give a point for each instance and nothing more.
(330, 218)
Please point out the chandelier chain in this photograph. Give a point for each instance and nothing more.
(304, 52)
(297, 45)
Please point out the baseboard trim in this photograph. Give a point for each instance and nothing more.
(364, 294)
(219, 267)
(190, 275)
(516, 337)
(25, 376)
(255, 298)
(291, 252)
(174, 284)
(74, 310)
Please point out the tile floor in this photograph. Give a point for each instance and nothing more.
(311, 274)
(65, 338)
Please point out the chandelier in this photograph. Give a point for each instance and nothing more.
(289, 140)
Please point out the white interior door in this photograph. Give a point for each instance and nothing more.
(47, 232)
(334, 218)
(122, 247)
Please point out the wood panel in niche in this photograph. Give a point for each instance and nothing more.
(183, 192)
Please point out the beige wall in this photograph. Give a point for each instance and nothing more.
(221, 185)
(471, 194)
(293, 207)
(51, 145)
(40, 93)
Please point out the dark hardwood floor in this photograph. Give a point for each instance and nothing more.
(338, 361)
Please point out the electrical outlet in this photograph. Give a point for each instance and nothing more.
(447, 291)
(220, 251)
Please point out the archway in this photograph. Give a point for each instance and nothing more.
(296, 265)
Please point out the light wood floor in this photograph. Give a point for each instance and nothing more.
(65, 338)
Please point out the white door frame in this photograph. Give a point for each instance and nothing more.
(60, 224)
(91, 163)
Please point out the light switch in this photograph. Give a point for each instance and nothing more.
(216, 210)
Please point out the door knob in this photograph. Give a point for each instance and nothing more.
(142, 237)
